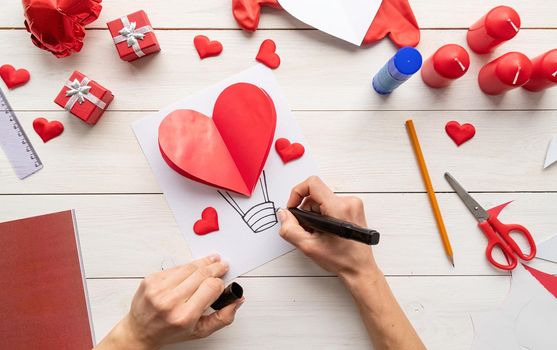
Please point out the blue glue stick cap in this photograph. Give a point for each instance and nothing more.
(408, 60)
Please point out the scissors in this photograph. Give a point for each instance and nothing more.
(497, 233)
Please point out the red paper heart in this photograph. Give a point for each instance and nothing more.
(47, 130)
(12, 77)
(460, 133)
(227, 151)
(267, 54)
(288, 151)
(208, 223)
(207, 48)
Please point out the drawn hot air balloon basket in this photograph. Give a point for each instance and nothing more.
(259, 217)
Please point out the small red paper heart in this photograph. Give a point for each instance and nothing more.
(267, 54)
(460, 133)
(47, 130)
(207, 48)
(208, 223)
(288, 151)
(12, 77)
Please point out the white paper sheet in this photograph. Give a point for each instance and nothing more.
(519, 322)
(345, 19)
(547, 249)
(551, 153)
(235, 241)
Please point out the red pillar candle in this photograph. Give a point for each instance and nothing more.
(505, 73)
(499, 25)
(447, 64)
(544, 74)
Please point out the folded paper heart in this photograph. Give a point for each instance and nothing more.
(14, 77)
(267, 54)
(208, 223)
(230, 149)
(288, 151)
(47, 130)
(460, 133)
(205, 47)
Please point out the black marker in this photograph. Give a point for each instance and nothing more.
(233, 292)
(334, 226)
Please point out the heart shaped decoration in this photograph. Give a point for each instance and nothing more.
(460, 133)
(207, 48)
(12, 77)
(230, 149)
(47, 130)
(208, 223)
(288, 151)
(267, 54)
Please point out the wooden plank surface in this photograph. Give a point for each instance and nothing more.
(304, 313)
(133, 235)
(317, 72)
(356, 152)
(210, 14)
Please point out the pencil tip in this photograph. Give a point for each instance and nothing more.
(451, 260)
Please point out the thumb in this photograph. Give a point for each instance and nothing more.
(291, 230)
(211, 323)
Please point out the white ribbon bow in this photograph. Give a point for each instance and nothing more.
(130, 34)
(79, 92)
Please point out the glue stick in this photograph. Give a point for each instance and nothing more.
(406, 62)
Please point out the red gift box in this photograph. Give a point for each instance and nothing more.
(133, 35)
(84, 98)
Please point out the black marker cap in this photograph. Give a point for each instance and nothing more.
(233, 292)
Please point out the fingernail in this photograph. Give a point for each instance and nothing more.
(225, 264)
(214, 257)
(281, 215)
(239, 304)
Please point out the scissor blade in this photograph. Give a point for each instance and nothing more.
(474, 207)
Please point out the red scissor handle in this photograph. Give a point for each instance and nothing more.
(494, 241)
(505, 230)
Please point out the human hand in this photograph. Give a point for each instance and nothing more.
(168, 307)
(346, 258)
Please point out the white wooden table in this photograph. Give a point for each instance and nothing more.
(358, 138)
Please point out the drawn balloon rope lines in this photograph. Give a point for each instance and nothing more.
(260, 217)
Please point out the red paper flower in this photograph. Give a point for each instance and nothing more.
(57, 25)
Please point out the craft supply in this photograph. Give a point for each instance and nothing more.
(525, 320)
(206, 47)
(396, 19)
(134, 36)
(430, 191)
(499, 25)
(447, 64)
(15, 143)
(235, 141)
(247, 12)
(84, 98)
(547, 249)
(510, 71)
(460, 133)
(47, 130)
(208, 223)
(248, 226)
(231, 293)
(288, 151)
(12, 77)
(544, 72)
(551, 156)
(267, 54)
(405, 63)
(497, 233)
(58, 26)
(340, 228)
(43, 299)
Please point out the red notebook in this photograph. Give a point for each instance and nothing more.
(43, 295)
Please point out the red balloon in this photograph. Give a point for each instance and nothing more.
(57, 25)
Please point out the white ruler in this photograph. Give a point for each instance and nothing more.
(15, 143)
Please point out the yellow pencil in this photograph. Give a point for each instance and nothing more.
(430, 192)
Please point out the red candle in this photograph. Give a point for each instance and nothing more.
(544, 74)
(505, 73)
(499, 25)
(447, 64)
